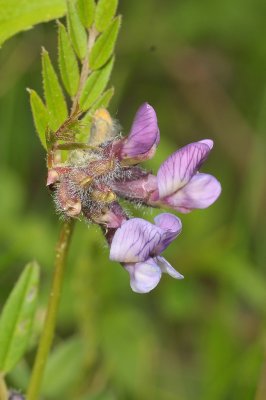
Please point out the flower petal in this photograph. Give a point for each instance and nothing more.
(208, 142)
(179, 168)
(144, 135)
(144, 276)
(200, 192)
(111, 217)
(136, 189)
(168, 222)
(135, 241)
(167, 268)
(172, 227)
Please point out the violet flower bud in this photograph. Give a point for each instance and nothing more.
(143, 137)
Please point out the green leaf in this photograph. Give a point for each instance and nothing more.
(103, 100)
(40, 116)
(55, 101)
(104, 13)
(76, 30)
(104, 46)
(17, 16)
(67, 61)
(95, 85)
(17, 317)
(86, 12)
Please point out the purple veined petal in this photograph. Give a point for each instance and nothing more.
(200, 192)
(168, 222)
(208, 142)
(143, 137)
(171, 225)
(167, 268)
(144, 276)
(180, 167)
(135, 241)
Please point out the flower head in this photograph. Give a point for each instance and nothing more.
(96, 176)
(137, 244)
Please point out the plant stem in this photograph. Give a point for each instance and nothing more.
(3, 389)
(51, 315)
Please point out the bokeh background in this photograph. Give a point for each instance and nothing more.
(202, 65)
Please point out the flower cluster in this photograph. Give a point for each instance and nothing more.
(91, 182)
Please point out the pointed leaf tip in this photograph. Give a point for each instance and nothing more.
(40, 116)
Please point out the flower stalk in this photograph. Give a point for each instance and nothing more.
(52, 310)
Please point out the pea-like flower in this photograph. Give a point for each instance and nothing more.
(179, 184)
(142, 140)
(137, 244)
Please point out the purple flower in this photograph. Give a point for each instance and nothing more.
(143, 138)
(137, 244)
(180, 185)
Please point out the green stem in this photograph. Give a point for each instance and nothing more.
(3, 389)
(53, 305)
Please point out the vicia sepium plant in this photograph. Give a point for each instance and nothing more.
(91, 166)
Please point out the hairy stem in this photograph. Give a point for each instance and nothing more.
(52, 311)
(3, 389)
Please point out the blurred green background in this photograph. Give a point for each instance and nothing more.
(202, 65)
